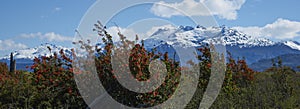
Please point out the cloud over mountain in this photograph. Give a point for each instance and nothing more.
(50, 36)
(280, 29)
(225, 9)
(10, 45)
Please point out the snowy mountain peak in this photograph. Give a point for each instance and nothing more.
(183, 36)
(195, 36)
(45, 49)
(292, 44)
(233, 37)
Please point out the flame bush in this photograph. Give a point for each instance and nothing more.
(52, 84)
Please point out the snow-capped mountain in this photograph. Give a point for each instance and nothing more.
(293, 44)
(233, 37)
(190, 36)
(46, 49)
(239, 44)
(25, 57)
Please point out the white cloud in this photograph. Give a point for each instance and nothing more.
(280, 29)
(156, 28)
(226, 9)
(10, 45)
(128, 33)
(57, 9)
(51, 36)
(254, 31)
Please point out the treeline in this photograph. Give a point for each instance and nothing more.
(52, 83)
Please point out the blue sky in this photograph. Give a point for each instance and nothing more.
(28, 23)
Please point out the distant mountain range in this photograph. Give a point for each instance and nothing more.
(240, 45)
(25, 57)
(256, 51)
(291, 60)
(42, 50)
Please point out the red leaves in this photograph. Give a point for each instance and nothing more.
(39, 76)
(3, 68)
(138, 63)
(36, 60)
(237, 71)
(208, 65)
(242, 74)
(54, 72)
(64, 57)
(155, 93)
(70, 90)
(51, 80)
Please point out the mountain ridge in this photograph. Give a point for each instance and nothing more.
(236, 42)
(193, 36)
(45, 49)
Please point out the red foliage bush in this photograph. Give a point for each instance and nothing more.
(139, 60)
(53, 76)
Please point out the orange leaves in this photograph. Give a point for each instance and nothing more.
(36, 60)
(39, 76)
(5, 75)
(3, 68)
(64, 57)
(139, 62)
(237, 71)
(34, 66)
(155, 93)
(54, 72)
(208, 65)
(242, 74)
